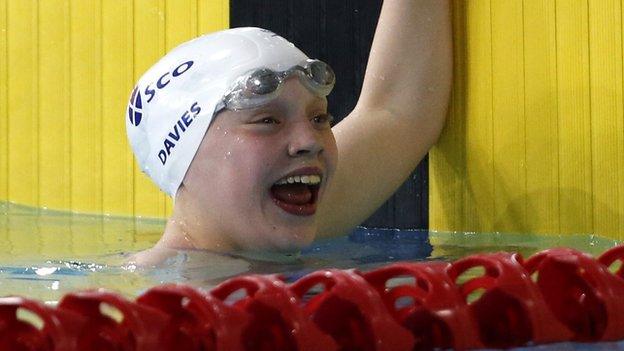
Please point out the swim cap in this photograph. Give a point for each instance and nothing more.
(173, 103)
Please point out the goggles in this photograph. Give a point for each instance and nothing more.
(262, 85)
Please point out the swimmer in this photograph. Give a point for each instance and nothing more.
(234, 126)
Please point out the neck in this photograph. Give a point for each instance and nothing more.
(189, 228)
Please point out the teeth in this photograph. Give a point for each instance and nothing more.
(311, 179)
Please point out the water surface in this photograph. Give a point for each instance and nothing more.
(45, 254)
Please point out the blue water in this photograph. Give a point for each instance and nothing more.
(45, 254)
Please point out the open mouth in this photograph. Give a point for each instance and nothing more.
(298, 194)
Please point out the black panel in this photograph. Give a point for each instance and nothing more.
(339, 32)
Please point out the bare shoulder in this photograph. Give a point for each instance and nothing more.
(191, 266)
(151, 257)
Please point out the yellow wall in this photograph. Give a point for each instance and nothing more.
(66, 71)
(535, 137)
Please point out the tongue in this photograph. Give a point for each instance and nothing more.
(296, 194)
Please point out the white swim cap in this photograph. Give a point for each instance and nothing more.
(174, 102)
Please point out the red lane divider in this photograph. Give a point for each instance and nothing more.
(114, 323)
(611, 256)
(430, 306)
(29, 325)
(581, 292)
(486, 300)
(197, 321)
(351, 312)
(276, 320)
(511, 311)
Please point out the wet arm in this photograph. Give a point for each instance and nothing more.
(399, 115)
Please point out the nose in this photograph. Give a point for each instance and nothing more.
(304, 140)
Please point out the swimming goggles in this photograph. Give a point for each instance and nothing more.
(262, 85)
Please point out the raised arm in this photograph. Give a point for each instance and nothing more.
(399, 115)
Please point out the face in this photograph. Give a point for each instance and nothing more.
(259, 174)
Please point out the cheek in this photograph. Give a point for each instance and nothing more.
(247, 164)
(331, 151)
(211, 171)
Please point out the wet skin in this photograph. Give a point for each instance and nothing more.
(225, 201)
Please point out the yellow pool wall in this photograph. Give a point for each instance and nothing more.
(66, 70)
(535, 139)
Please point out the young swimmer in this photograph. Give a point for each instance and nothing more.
(234, 126)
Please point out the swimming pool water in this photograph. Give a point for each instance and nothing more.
(45, 254)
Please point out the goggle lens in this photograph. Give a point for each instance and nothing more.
(263, 84)
(321, 73)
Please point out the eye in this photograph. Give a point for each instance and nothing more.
(323, 119)
(267, 120)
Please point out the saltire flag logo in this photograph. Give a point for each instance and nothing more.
(135, 108)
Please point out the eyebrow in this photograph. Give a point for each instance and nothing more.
(317, 102)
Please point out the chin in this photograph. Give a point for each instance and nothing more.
(289, 242)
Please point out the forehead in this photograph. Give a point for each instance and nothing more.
(293, 91)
